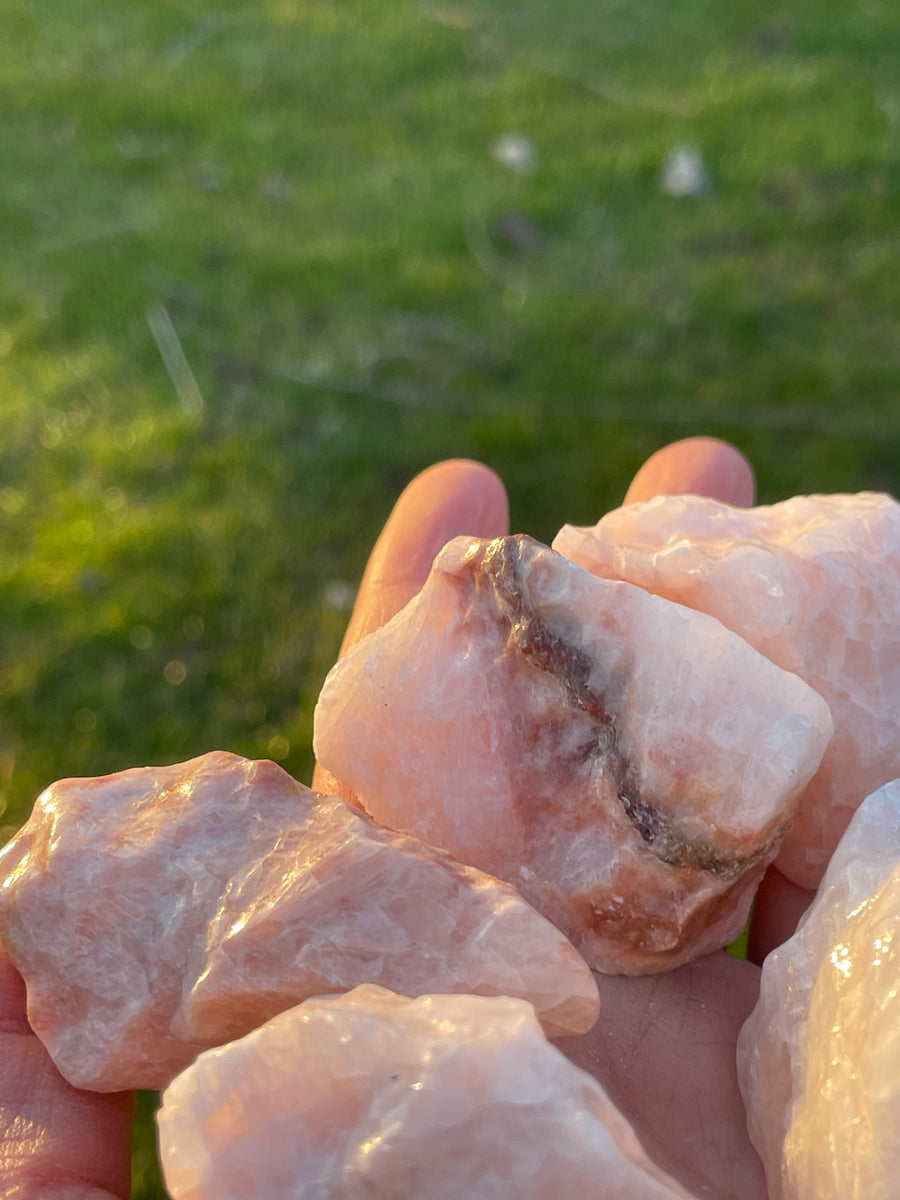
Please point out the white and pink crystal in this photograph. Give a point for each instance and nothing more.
(630, 765)
(159, 911)
(819, 1057)
(814, 584)
(369, 1094)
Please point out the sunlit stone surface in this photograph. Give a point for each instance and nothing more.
(819, 1057)
(343, 900)
(629, 764)
(225, 883)
(440, 1098)
(814, 584)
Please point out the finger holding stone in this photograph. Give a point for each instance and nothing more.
(448, 499)
(699, 466)
(778, 907)
(56, 1142)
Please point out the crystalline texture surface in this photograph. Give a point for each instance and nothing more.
(102, 894)
(814, 584)
(348, 901)
(629, 764)
(440, 1098)
(819, 1057)
(159, 911)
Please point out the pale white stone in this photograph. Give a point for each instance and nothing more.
(684, 172)
(819, 1057)
(516, 151)
(370, 1095)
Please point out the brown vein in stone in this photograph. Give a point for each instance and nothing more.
(504, 564)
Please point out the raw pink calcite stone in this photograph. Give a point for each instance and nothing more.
(346, 901)
(628, 764)
(819, 1057)
(103, 893)
(159, 911)
(372, 1095)
(814, 584)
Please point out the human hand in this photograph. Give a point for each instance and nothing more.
(56, 1143)
(664, 1047)
(59, 1143)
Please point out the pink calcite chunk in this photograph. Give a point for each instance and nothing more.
(162, 910)
(343, 900)
(819, 1057)
(814, 584)
(372, 1095)
(628, 764)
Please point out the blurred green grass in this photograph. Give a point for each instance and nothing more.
(260, 266)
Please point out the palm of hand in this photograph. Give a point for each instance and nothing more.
(664, 1047)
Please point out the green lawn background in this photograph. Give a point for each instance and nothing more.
(260, 266)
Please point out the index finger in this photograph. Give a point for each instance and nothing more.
(451, 498)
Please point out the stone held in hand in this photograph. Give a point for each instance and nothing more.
(344, 900)
(161, 910)
(369, 1094)
(819, 1056)
(814, 584)
(628, 764)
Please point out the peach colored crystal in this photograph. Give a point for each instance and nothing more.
(819, 1057)
(814, 584)
(162, 910)
(368, 1094)
(628, 764)
(348, 901)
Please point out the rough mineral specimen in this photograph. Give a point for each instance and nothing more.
(628, 764)
(343, 900)
(159, 911)
(369, 1094)
(814, 584)
(819, 1057)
